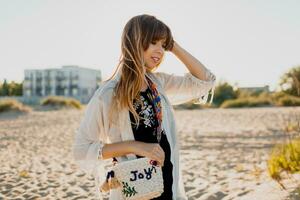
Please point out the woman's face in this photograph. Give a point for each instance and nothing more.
(154, 54)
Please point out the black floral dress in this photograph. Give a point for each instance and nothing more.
(145, 132)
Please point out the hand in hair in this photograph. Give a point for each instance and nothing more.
(171, 45)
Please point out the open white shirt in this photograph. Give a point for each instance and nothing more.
(94, 130)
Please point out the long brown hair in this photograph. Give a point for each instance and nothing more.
(137, 35)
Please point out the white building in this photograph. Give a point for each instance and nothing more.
(72, 81)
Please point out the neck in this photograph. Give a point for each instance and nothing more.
(144, 87)
(145, 84)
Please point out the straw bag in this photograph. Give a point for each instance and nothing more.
(139, 178)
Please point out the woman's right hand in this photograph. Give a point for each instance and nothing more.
(150, 150)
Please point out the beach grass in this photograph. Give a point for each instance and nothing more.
(8, 105)
(61, 102)
(246, 102)
(285, 157)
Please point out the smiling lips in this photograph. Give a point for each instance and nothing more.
(155, 59)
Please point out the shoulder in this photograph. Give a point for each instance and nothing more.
(160, 77)
(104, 91)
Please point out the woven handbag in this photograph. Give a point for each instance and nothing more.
(139, 178)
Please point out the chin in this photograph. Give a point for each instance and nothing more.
(150, 68)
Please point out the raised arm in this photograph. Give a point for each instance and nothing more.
(194, 66)
(195, 85)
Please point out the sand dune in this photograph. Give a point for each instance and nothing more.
(223, 155)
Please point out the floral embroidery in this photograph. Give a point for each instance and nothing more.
(127, 190)
(150, 115)
(146, 112)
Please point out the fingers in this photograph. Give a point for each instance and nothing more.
(158, 155)
(154, 152)
(159, 159)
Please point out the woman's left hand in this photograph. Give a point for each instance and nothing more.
(175, 46)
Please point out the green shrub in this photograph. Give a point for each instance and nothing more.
(289, 82)
(265, 95)
(278, 95)
(256, 102)
(58, 102)
(289, 101)
(284, 158)
(283, 99)
(243, 94)
(234, 103)
(224, 91)
(246, 102)
(7, 105)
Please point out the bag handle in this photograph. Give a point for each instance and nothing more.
(111, 182)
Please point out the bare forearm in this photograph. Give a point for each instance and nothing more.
(118, 149)
(194, 66)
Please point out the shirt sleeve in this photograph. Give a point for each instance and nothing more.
(181, 89)
(89, 138)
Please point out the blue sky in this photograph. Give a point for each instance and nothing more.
(247, 43)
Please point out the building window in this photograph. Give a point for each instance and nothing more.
(84, 91)
(74, 91)
(27, 92)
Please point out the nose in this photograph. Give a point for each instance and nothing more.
(160, 49)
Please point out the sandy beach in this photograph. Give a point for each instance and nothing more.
(223, 155)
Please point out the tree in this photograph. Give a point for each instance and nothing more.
(15, 89)
(290, 82)
(4, 89)
(223, 91)
(11, 89)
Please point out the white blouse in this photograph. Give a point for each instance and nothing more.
(94, 130)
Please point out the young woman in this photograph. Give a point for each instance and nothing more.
(131, 114)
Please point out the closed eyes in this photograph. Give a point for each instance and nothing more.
(163, 45)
